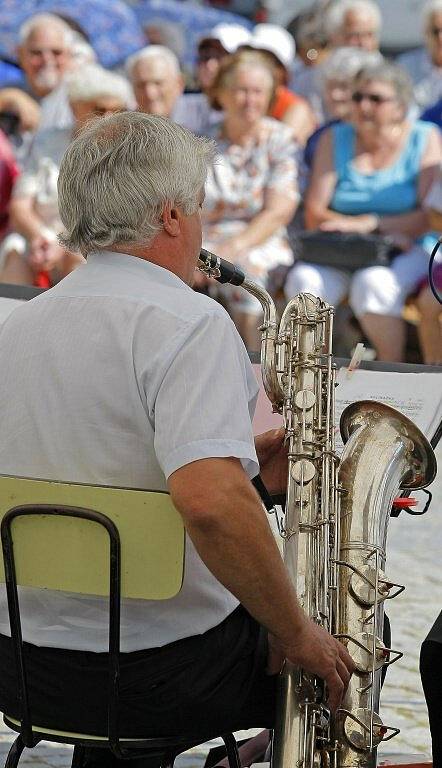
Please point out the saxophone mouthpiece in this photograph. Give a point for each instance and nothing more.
(223, 271)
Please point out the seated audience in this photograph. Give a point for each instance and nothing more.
(371, 175)
(33, 248)
(251, 190)
(354, 23)
(424, 65)
(278, 46)
(430, 310)
(158, 85)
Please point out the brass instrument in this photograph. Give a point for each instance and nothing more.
(334, 526)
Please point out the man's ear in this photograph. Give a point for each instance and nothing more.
(171, 218)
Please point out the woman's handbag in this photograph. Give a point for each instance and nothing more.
(348, 251)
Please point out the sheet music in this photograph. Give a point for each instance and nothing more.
(416, 395)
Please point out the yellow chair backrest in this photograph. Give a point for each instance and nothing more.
(72, 555)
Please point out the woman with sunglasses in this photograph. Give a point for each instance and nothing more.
(370, 176)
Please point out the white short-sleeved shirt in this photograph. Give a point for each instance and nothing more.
(119, 375)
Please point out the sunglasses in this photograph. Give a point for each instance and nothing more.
(374, 98)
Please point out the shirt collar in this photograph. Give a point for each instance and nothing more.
(136, 266)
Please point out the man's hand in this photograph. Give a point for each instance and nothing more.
(316, 651)
(272, 456)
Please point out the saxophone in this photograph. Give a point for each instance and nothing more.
(334, 527)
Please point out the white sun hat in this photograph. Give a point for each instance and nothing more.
(276, 40)
(231, 36)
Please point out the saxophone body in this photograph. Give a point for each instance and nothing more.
(334, 527)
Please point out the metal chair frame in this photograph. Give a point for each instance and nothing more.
(29, 736)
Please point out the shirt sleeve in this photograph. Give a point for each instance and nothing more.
(205, 403)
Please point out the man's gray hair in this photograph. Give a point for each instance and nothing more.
(45, 20)
(154, 52)
(390, 73)
(91, 82)
(343, 64)
(430, 8)
(338, 10)
(119, 172)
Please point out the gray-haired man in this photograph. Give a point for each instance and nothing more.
(130, 360)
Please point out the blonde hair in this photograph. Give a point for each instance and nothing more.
(229, 67)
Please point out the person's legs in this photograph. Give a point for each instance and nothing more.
(430, 326)
(377, 296)
(328, 283)
(197, 687)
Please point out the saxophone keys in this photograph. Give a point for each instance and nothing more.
(305, 399)
(363, 583)
(364, 729)
(303, 471)
(370, 653)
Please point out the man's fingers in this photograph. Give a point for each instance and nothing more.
(346, 658)
(343, 672)
(336, 690)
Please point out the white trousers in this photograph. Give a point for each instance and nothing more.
(377, 290)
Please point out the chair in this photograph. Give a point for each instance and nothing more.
(96, 540)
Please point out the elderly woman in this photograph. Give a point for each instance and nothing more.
(32, 254)
(342, 66)
(371, 175)
(251, 191)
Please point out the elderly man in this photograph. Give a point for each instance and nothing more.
(44, 52)
(354, 23)
(128, 356)
(425, 64)
(45, 56)
(158, 85)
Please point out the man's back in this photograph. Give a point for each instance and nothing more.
(96, 387)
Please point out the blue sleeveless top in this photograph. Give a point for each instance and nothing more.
(391, 190)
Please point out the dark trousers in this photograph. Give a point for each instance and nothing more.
(207, 684)
(431, 675)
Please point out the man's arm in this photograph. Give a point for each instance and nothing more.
(225, 520)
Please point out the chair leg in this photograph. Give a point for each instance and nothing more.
(14, 753)
(232, 750)
(77, 757)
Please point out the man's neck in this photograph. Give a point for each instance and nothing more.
(156, 253)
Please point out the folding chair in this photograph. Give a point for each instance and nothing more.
(91, 540)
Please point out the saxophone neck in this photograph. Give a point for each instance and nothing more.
(225, 272)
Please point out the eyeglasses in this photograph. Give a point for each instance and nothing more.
(436, 31)
(374, 98)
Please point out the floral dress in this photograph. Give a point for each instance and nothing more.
(236, 189)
